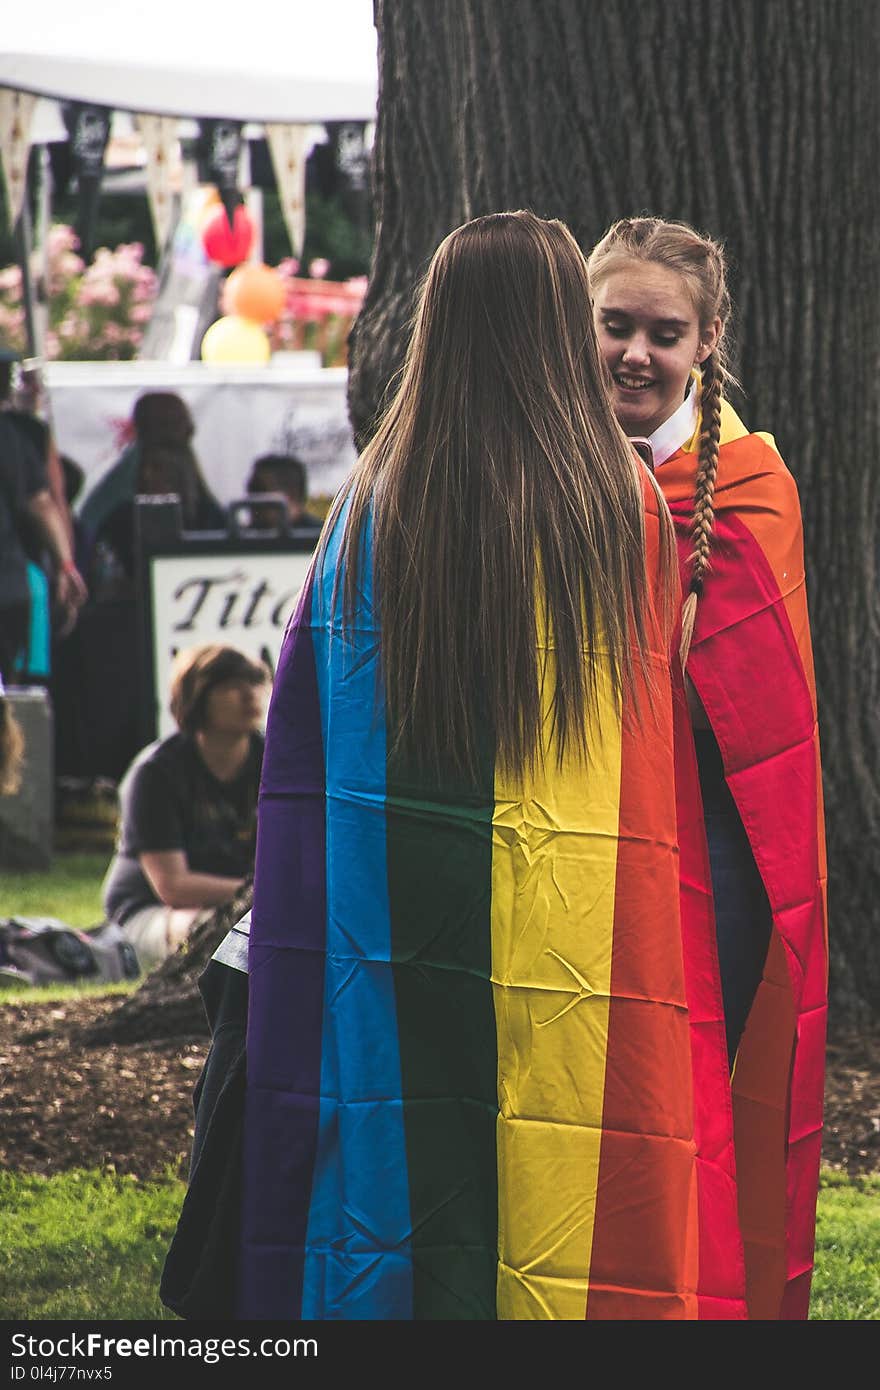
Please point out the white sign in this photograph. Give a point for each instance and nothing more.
(243, 601)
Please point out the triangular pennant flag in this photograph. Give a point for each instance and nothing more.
(88, 130)
(218, 153)
(159, 134)
(287, 146)
(231, 200)
(16, 112)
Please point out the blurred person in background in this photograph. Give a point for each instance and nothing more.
(188, 804)
(160, 460)
(284, 475)
(29, 517)
(23, 402)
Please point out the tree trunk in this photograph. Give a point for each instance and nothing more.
(168, 1003)
(756, 122)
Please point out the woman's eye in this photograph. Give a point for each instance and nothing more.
(666, 339)
(617, 330)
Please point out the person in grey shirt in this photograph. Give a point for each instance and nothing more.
(188, 804)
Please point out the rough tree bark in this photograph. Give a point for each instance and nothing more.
(757, 123)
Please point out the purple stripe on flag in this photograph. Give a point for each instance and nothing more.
(286, 966)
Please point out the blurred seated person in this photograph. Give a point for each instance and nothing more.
(161, 460)
(188, 803)
(282, 474)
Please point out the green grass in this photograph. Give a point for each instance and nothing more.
(84, 1245)
(70, 890)
(55, 993)
(846, 1283)
(91, 1245)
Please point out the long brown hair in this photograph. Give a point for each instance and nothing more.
(700, 262)
(503, 493)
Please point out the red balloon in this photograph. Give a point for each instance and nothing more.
(228, 245)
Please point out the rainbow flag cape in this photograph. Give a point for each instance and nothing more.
(469, 1054)
(759, 1136)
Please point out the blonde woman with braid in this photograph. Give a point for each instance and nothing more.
(751, 828)
(469, 1057)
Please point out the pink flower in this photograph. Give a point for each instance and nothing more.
(60, 238)
(99, 291)
(10, 279)
(318, 268)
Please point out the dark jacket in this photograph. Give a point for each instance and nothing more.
(198, 1279)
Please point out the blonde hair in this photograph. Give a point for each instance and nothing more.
(701, 263)
(498, 479)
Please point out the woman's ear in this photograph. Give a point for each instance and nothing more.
(708, 338)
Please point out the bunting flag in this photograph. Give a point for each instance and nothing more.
(751, 664)
(469, 1057)
(218, 156)
(88, 129)
(159, 136)
(287, 146)
(16, 114)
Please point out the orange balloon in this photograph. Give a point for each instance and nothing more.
(255, 292)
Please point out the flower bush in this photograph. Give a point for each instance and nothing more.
(99, 312)
(318, 313)
(96, 312)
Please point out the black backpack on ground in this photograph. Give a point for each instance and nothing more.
(44, 951)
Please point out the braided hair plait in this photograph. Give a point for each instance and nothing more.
(704, 497)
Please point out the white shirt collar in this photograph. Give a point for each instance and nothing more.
(668, 438)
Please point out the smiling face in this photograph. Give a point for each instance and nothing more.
(650, 336)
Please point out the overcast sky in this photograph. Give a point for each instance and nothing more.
(294, 37)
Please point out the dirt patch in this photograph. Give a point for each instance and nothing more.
(66, 1103)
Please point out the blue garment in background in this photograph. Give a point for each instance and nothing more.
(35, 660)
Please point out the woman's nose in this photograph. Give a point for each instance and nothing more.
(636, 351)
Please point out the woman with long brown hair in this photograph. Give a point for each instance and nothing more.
(759, 1000)
(468, 1051)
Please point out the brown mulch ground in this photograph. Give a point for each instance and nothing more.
(66, 1104)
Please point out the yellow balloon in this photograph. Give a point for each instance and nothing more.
(234, 339)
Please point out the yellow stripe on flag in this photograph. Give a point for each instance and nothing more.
(554, 864)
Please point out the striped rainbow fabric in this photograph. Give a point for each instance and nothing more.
(751, 662)
(469, 1086)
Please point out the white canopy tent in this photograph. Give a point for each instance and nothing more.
(299, 65)
(259, 61)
